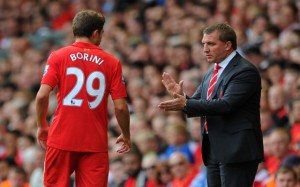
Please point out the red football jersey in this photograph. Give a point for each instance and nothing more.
(85, 76)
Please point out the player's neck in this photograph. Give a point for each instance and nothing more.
(84, 39)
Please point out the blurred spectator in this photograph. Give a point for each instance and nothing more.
(280, 148)
(147, 142)
(177, 139)
(183, 172)
(117, 176)
(181, 58)
(293, 161)
(290, 39)
(269, 35)
(191, 80)
(277, 101)
(294, 55)
(264, 102)
(4, 168)
(36, 178)
(194, 130)
(164, 176)
(288, 16)
(254, 55)
(285, 177)
(295, 123)
(275, 72)
(149, 166)
(138, 124)
(133, 168)
(139, 105)
(157, 43)
(158, 125)
(254, 33)
(298, 88)
(291, 77)
(26, 149)
(17, 177)
(267, 145)
(59, 13)
(10, 147)
(266, 121)
(5, 165)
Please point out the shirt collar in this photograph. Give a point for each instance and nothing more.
(85, 45)
(226, 61)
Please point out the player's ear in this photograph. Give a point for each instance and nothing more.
(95, 33)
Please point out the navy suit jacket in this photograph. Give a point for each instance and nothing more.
(232, 114)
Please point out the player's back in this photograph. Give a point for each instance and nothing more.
(85, 75)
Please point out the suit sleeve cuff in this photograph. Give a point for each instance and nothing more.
(184, 107)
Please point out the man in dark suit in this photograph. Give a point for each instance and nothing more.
(227, 101)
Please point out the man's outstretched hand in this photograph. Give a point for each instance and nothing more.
(175, 104)
(171, 86)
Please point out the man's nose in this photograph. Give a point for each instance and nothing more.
(205, 49)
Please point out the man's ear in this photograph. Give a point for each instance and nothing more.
(95, 32)
(228, 45)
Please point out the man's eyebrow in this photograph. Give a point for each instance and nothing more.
(208, 42)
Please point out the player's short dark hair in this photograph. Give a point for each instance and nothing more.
(226, 33)
(86, 22)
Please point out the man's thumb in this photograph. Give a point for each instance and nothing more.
(181, 83)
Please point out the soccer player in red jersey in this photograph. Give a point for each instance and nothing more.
(85, 75)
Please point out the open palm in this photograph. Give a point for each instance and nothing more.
(171, 86)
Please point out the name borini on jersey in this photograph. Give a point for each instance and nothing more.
(86, 57)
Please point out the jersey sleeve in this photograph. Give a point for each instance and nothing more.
(51, 71)
(118, 89)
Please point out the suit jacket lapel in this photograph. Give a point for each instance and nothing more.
(228, 68)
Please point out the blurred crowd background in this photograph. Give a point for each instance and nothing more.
(150, 37)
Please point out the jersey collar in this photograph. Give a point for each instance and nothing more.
(85, 45)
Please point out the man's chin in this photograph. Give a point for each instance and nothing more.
(210, 60)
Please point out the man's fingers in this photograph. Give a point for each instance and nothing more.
(118, 140)
(167, 78)
(166, 103)
(171, 105)
(123, 149)
(181, 83)
(164, 83)
(176, 95)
